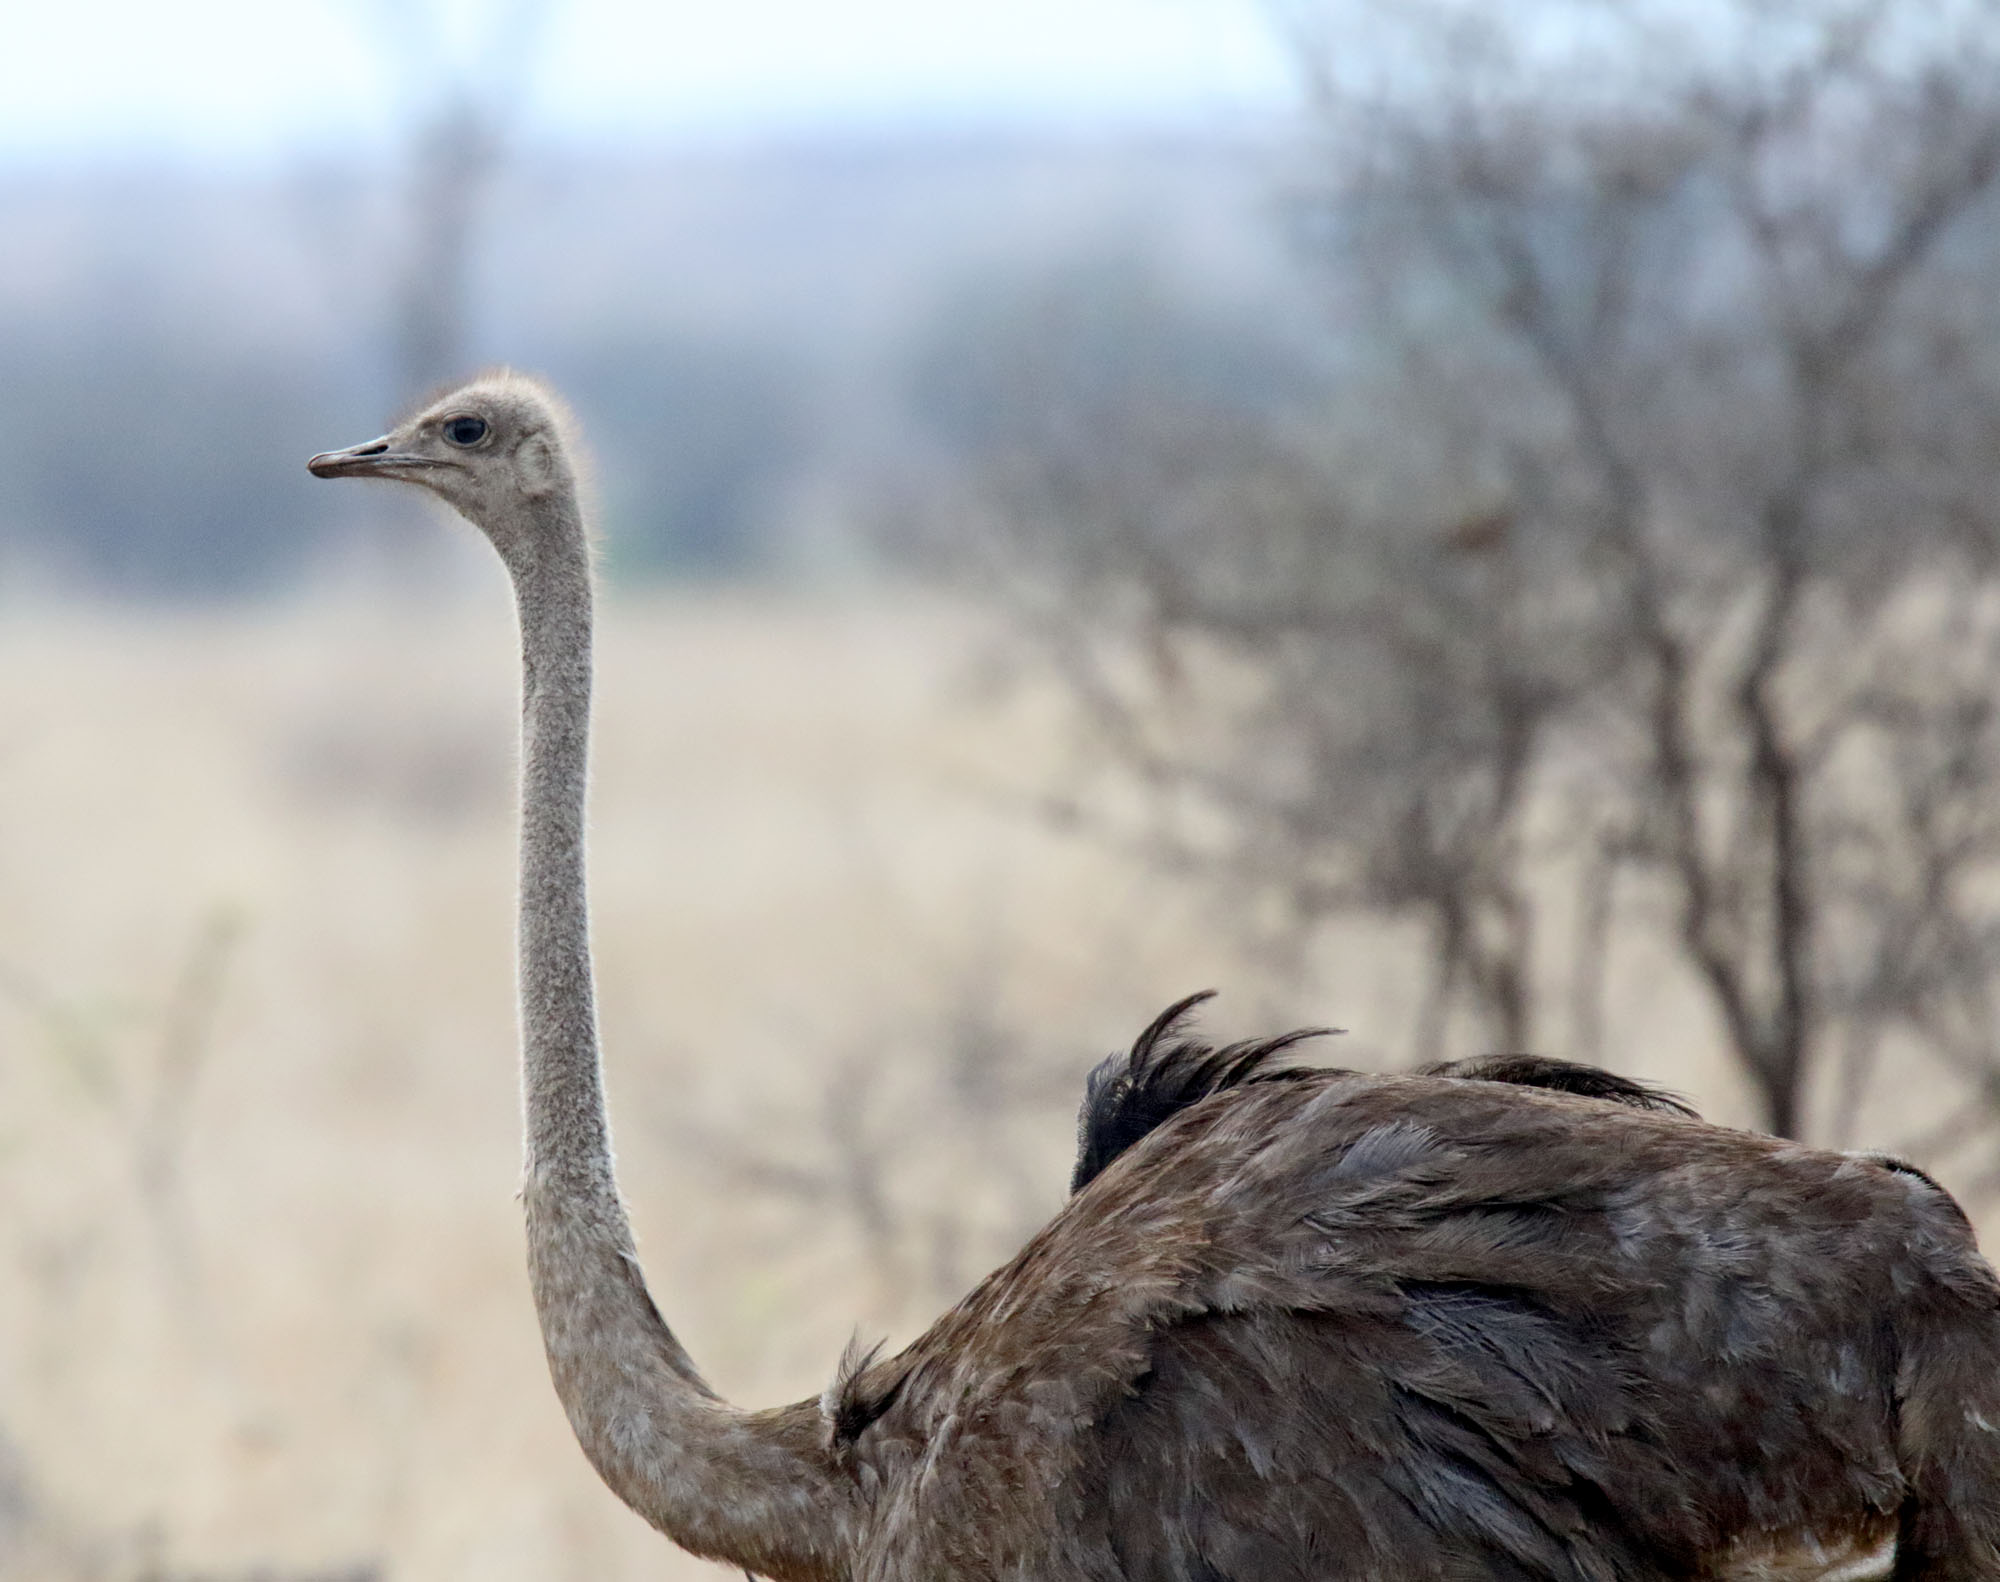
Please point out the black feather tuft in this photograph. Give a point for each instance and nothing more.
(1165, 1071)
(1561, 1076)
(847, 1404)
(1168, 1070)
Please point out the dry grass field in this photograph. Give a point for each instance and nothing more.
(262, 1303)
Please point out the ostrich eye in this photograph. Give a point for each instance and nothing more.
(465, 430)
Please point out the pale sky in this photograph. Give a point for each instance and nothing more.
(250, 80)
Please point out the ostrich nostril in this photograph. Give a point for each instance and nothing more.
(375, 449)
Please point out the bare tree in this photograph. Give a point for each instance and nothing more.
(459, 93)
(1754, 436)
(1335, 713)
(1639, 537)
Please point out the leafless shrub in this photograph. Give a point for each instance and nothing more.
(1635, 533)
(145, 1094)
(914, 1144)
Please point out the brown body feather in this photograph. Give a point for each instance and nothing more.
(1348, 1327)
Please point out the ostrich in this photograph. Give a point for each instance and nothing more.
(1511, 1321)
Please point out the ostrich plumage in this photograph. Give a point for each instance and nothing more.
(1509, 1321)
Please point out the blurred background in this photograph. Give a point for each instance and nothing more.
(1476, 525)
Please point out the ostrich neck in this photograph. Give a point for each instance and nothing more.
(569, 1141)
(756, 1489)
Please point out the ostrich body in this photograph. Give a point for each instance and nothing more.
(1294, 1325)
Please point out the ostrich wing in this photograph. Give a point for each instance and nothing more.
(1355, 1327)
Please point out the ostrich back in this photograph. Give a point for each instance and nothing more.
(1356, 1327)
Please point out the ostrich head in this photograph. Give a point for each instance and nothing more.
(493, 450)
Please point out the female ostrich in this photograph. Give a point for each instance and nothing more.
(1294, 1325)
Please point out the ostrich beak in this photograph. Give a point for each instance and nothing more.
(374, 459)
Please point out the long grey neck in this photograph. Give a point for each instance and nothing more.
(568, 1137)
(756, 1489)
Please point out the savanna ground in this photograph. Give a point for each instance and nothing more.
(263, 1303)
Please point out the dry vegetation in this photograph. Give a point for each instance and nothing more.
(1621, 573)
(1351, 697)
(264, 1312)
(264, 1304)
